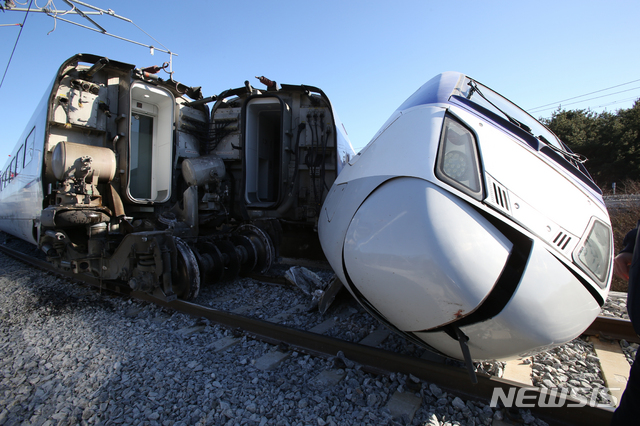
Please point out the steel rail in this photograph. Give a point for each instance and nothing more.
(378, 361)
(613, 329)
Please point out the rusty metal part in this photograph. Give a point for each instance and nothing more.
(267, 82)
(613, 329)
(378, 361)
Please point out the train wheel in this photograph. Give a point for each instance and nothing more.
(247, 252)
(264, 247)
(185, 278)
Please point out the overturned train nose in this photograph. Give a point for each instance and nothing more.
(430, 266)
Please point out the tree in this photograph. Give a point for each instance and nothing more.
(610, 141)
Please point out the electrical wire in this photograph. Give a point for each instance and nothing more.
(16, 44)
(634, 98)
(590, 99)
(56, 14)
(150, 36)
(530, 110)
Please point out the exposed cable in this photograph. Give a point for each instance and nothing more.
(16, 44)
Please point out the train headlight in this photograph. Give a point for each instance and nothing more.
(458, 162)
(594, 254)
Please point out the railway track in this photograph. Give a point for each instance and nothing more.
(449, 377)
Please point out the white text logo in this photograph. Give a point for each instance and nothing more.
(558, 397)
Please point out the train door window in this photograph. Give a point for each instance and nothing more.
(141, 155)
(151, 143)
(29, 147)
(263, 151)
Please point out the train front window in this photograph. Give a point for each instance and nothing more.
(503, 107)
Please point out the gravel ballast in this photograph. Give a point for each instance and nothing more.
(69, 355)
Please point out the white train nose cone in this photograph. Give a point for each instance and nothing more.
(421, 256)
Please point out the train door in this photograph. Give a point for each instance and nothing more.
(266, 121)
(151, 143)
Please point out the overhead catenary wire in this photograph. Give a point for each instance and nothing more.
(56, 15)
(115, 36)
(590, 99)
(16, 43)
(633, 98)
(595, 108)
(50, 9)
(554, 104)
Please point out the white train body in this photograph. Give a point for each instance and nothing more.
(21, 181)
(458, 220)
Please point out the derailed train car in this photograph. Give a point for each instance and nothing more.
(470, 228)
(465, 225)
(125, 176)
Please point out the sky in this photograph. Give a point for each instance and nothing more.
(367, 56)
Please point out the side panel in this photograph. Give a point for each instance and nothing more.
(21, 198)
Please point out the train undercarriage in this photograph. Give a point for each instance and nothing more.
(145, 186)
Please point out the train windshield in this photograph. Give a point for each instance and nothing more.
(503, 107)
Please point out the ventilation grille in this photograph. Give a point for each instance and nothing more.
(562, 240)
(500, 196)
